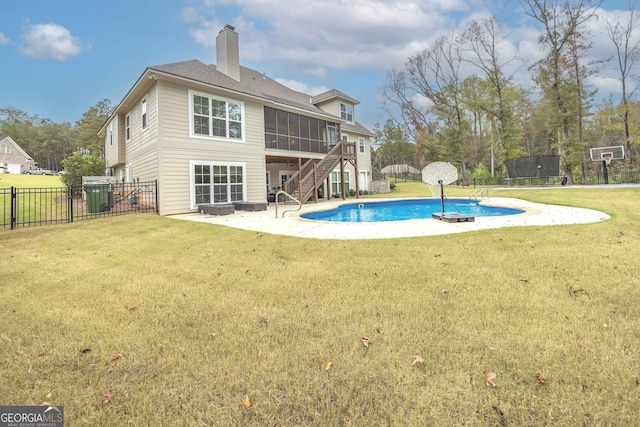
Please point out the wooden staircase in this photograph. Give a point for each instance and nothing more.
(304, 183)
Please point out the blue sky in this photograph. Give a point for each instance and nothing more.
(58, 58)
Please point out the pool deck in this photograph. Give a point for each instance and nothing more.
(535, 214)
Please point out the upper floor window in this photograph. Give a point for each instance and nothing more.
(144, 114)
(127, 122)
(216, 117)
(6, 149)
(291, 131)
(361, 146)
(346, 112)
(111, 133)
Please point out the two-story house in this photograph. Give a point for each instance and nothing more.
(225, 133)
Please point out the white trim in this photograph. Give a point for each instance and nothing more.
(192, 183)
(363, 146)
(331, 182)
(347, 108)
(210, 96)
(127, 127)
(144, 114)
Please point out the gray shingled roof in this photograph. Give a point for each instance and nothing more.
(251, 83)
(333, 93)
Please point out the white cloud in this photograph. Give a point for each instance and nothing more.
(314, 37)
(328, 34)
(3, 39)
(302, 87)
(49, 41)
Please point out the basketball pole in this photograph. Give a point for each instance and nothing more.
(605, 172)
(441, 195)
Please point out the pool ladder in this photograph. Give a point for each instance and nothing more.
(479, 193)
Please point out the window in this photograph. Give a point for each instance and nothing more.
(290, 131)
(111, 133)
(361, 146)
(6, 149)
(336, 184)
(345, 137)
(144, 114)
(216, 117)
(217, 182)
(346, 112)
(127, 122)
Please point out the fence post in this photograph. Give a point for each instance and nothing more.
(70, 203)
(157, 191)
(14, 206)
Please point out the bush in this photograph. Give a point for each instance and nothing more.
(392, 185)
(77, 165)
(352, 192)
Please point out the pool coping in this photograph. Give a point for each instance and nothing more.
(535, 214)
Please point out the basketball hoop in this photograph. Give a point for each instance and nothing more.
(607, 159)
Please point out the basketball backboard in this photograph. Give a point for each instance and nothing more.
(599, 154)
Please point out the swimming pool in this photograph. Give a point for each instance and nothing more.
(401, 210)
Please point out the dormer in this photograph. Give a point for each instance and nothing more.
(338, 104)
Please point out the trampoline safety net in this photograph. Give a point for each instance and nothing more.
(533, 167)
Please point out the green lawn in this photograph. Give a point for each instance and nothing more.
(185, 321)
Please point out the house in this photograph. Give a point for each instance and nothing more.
(13, 159)
(225, 133)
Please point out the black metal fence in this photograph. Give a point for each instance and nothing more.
(614, 177)
(26, 207)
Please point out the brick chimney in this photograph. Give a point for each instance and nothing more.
(228, 52)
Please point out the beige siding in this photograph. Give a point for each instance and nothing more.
(178, 148)
(330, 107)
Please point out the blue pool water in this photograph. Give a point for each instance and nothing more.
(401, 210)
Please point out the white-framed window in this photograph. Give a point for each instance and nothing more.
(216, 117)
(144, 114)
(346, 112)
(5, 149)
(127, 123)
(361, 145)
(345, 137)
(217, 182)
(336, 183)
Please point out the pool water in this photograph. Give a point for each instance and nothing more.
(401, 210)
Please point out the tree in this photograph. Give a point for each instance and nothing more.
(485, 39)
(428, 95)
(87, 127)
(78, 165)
(562, 22)
(627, 55)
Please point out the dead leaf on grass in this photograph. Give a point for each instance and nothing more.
(365, 341)
(490, 379)
(328, 366)
(540, 379)
(131, 307)
(48, 396)
(85, 350)
(107, 398)
(524, 280)
(378, 330)
(115, 357)
(418, 360)
(46, 404)
(247, 401)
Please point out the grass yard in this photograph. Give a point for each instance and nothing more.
(143, 320)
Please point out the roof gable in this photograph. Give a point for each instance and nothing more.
(15, 144)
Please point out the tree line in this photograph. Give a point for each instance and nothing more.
(49, 143)
(458, 101)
